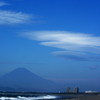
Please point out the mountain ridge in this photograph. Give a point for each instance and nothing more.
(23, 78)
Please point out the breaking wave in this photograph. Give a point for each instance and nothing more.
(29, 98)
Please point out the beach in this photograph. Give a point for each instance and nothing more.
(97, 97)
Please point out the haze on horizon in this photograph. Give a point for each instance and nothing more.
(57, 40)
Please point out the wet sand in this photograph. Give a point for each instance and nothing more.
(89, 98)
(86, 98)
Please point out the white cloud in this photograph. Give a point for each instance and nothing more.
(3, 4)
(8, 17)
(80, 45)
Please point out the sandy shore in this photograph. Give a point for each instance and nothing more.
(89, 98)
(86, 98)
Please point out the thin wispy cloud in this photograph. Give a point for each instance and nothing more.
(3, 4)
(9, 17)
(94, 67)
(75, 46)
(73, 80)
(20, 63)
(77, 56)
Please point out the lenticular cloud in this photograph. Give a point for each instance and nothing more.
(79, 43)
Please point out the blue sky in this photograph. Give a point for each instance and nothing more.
(55, 39)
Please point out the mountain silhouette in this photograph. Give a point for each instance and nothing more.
(23, 80)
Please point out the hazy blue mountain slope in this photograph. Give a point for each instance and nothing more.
(23, 78)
